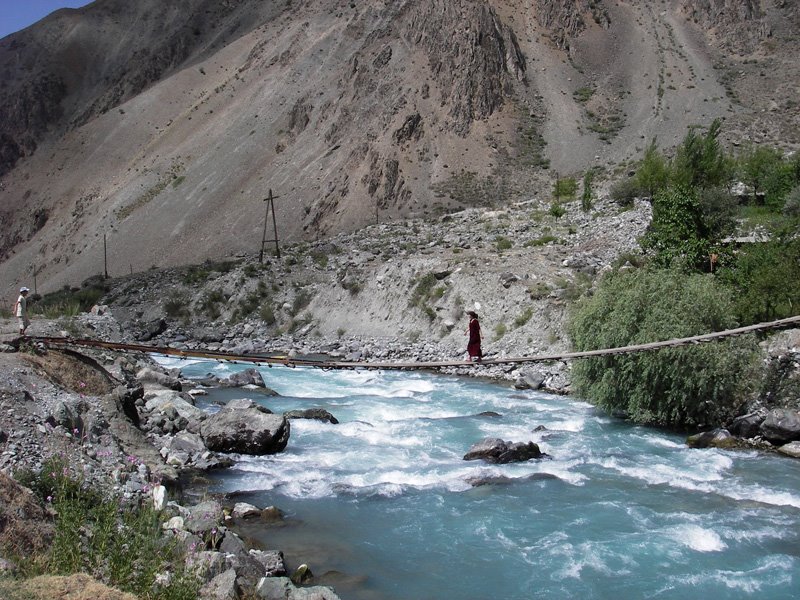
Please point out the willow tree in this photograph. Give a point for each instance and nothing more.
(686, 387)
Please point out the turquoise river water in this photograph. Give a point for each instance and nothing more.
(381, 504)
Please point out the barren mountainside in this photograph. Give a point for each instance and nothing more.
(162, 126)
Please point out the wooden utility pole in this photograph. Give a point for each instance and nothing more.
(105, 257)
(270, 200)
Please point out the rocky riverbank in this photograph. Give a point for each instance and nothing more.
(391, 292)
(124, 427)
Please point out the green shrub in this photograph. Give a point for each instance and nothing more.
(523, 317)
(210, 304)
(678, 231)
(583, 94)
(502, 243)
(539, 290)
(320, 258)
(586, 195)
(791, 204)
(766, 279)
(700, 161)
(121, 546)
(301, 299)
(267, 314)
(565, 188)
(69, 302)
(500, 330)
(687, 386)
(625, 191)
(653, 172)
(557, 210)
(177, 307)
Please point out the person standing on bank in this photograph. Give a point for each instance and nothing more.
(474, 332)
(21, 310)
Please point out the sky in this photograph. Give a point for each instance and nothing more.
(18, 14)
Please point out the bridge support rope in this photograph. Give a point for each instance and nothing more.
(333, 364)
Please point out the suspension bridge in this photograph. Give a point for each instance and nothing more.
(324, 363)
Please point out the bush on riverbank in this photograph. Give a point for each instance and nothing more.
(121, 546)
(687, 386)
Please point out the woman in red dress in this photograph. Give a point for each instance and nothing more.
(474, 343)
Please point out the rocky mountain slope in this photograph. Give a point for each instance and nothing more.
(161, 128)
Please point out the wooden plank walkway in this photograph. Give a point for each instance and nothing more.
(334, 364)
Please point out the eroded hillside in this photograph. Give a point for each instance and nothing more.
(163, 128)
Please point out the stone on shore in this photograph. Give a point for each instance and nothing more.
(716, 438)
(152, 378)
(791, 449)
(781, 426)
(222, 587)
(245, 428)
(281, 588)
(497, 451)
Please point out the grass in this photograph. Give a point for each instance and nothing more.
(541, 241)
(120, 546)
(524, 317)
(70, 301)
(753, 216)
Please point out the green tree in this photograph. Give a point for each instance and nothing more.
(653, 172)
(586, 196)
(678, 229)
(700, 160)
(757, 164)
(687, 386)
(766, 280)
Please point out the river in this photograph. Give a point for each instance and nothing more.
(382, 508)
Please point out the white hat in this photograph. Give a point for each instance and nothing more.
(23, 289)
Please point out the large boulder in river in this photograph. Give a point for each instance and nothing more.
(248, 378)
(320, 414)
(247, 428)
(495, 450)
(782, 425)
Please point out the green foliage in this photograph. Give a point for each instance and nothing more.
(69, 301)
(687, 386)
(197, 274)
(267, 314)
(502, 243)
(541, 241)
(757, 164)
(470, 189)
(678, 230)
(177, 307)
(583, 94)
(557, 210)
(301, 299)
(523, 317)
(791, 204)
(625, 191)
(766, 279)
(586, 195)
(123, 547)
(320, 258)
(653, 172)
(500, 330)
(565, 188)
(210, 304)
(700, 161)
(539, 290)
